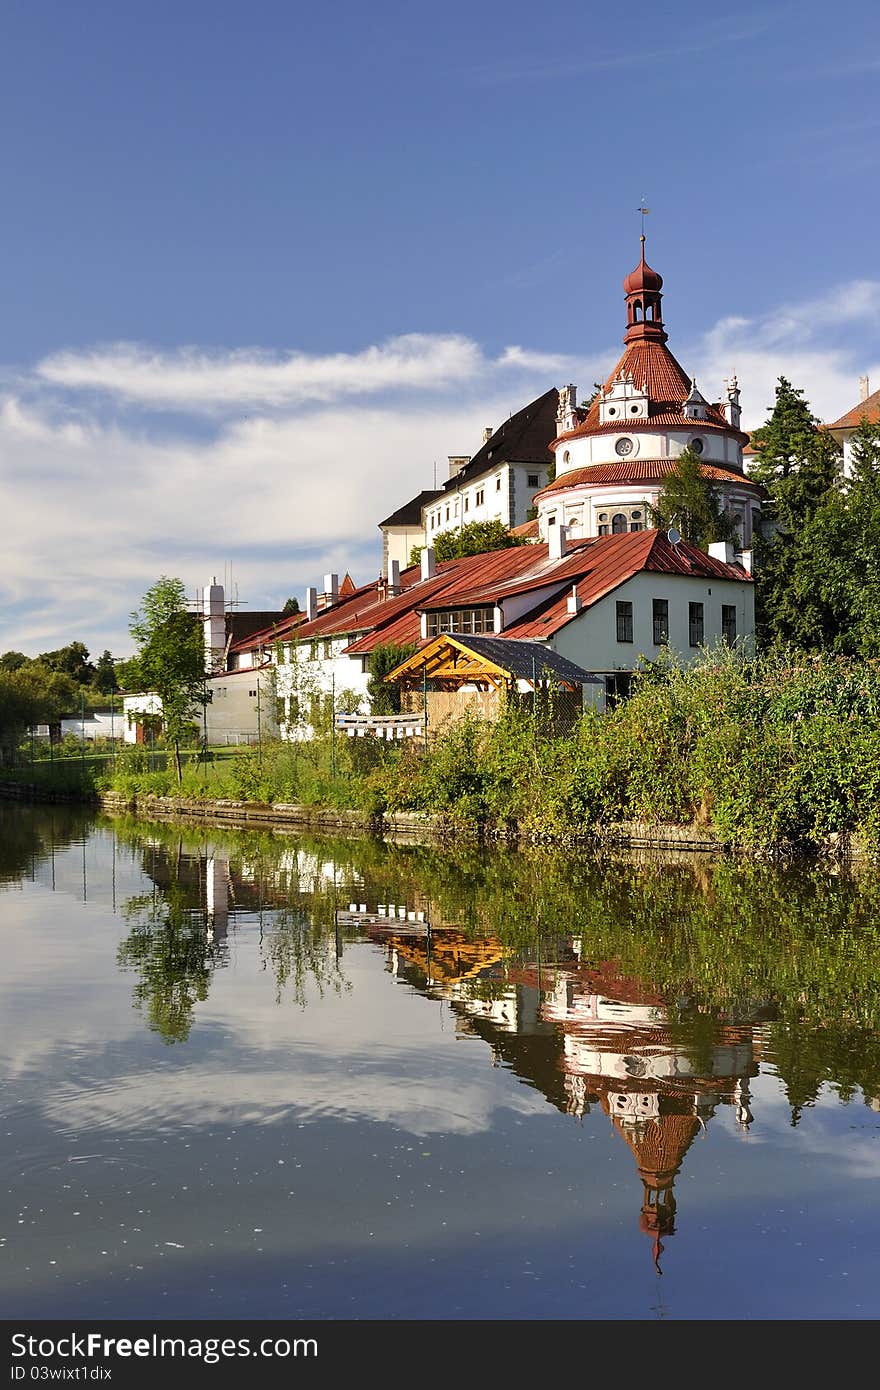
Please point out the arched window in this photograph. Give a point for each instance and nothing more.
(637, 310)
(618, 524)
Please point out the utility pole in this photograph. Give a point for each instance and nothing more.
(82, 731)
(259, 727)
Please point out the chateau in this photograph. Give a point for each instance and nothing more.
(596, 470)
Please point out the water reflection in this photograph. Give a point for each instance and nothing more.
(647, 996)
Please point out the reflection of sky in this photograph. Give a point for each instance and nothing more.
(358, 1157)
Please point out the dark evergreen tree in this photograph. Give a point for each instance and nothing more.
(799, 464)
(105, 674)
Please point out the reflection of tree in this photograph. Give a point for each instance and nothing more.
(168, 946)
(300, 949)
(28, 834)
(721, 939)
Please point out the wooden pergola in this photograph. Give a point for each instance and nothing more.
(451, 661)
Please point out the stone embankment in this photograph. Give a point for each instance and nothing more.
(412, 824)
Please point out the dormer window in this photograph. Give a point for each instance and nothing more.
(694, 407)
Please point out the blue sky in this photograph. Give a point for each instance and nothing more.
(263, 263)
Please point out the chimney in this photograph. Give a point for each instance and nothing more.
(311, 604)
(331, 589)
(457, 463)
(214, 626)
(864, 388)
(573, 602)
(725, 551)
(487, 433)
(747, 560)
(556, 538)
(393, 577)
(429, 563)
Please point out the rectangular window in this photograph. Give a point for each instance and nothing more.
(480, 498)
(604, 530)
(624, 621)
(465, 621)
(661, 621)
(447, 513)
(533, 480)
(636, 526)
(467, 503)
(498, 484)
(695, 624)
(728, 623)
(328, 650)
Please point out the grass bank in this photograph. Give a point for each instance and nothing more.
(769, 754)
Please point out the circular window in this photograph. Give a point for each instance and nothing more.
(566, 457)
(634, 410)
(603, 516)
(697, 446)
(635, 516)
(623, 447)
(612, 410)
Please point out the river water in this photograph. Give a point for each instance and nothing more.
(246, 1075)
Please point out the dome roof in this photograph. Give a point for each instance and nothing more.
(643, 277)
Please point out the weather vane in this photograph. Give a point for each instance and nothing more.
(644, 212)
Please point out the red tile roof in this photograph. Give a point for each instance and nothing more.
(667, 385)
(528, 530)
(865, 410)
(639, 471)
(616, 559)
(597, 566)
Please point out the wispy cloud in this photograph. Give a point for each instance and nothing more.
(220, 382)
(703, 39)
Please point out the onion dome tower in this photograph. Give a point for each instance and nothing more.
(613, 456)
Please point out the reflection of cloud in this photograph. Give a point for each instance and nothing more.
(416, 1098)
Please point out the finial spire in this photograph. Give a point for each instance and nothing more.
(644, 213)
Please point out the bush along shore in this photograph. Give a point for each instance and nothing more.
(769, 754)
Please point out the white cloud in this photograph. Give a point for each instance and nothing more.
(814, 343)
(197, 381)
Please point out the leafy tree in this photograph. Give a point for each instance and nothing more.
(837, 560)
(170, 661)
(13, 661)
(688, 501)
(385, 699)
(105, 674)
(72, 660)
(290, 607)
(31, 695)
(473, 539)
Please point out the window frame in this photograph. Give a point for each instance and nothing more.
(696, 623)
(660, 621)
(624, 615)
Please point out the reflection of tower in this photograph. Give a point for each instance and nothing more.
(659, 1145)
(217, 897)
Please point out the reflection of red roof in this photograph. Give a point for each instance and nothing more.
(659, 1145)
(865, 410)
(639, 471)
